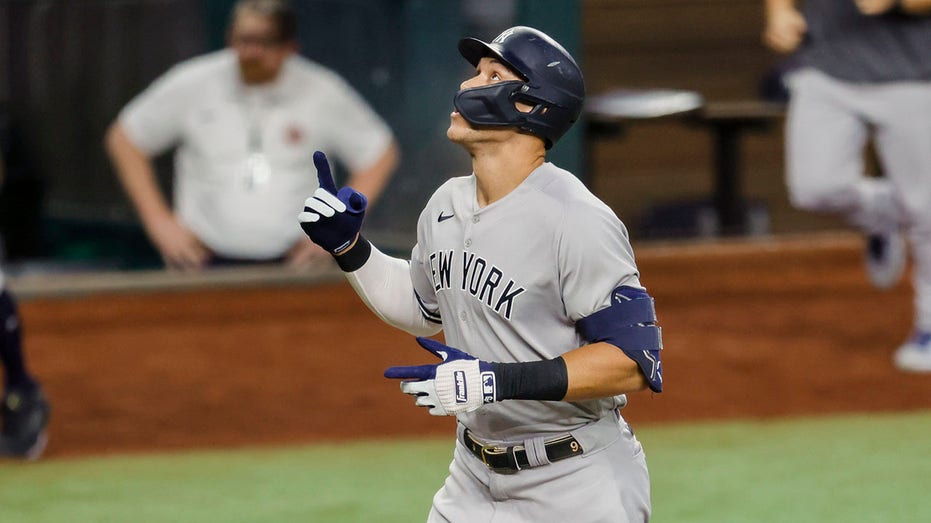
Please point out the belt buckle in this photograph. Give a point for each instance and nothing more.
(491, 450)
(485, 449)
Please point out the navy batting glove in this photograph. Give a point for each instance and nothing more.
(332, 219)
(460, 383)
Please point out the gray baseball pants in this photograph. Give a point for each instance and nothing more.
(609, 482)
(829, 124)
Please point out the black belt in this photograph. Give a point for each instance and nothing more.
(514, 458)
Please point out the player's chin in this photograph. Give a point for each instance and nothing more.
(458, 130)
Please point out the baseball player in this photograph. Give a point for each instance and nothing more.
(24, 412)
(864, 75)
(533, 282)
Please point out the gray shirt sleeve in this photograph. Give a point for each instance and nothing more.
(594, 257)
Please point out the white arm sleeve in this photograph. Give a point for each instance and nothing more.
(384, 284)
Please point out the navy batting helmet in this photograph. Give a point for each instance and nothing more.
(552, 84)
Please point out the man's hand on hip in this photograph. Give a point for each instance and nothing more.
(305, 254)
(180, 248)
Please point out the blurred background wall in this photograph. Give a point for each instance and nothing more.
(68, 66)
(712, 47)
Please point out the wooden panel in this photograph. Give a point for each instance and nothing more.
(718, 75)
(671, 24)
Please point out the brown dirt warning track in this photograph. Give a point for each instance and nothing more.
(752, 329)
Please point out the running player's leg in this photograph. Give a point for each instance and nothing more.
(11, 351)
(24, 409)
(825, 139)
(465, 495)
(903, 139)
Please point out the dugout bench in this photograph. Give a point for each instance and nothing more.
(609, 114)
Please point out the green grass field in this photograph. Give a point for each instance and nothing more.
(869, 468)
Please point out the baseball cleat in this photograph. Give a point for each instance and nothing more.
(25, 419)
(915, 354)
(885, 258)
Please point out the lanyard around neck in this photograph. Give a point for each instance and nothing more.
(257, 171)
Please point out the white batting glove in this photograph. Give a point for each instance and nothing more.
(460, 384)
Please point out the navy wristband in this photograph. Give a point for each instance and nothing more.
(355, 257)
(531, 380)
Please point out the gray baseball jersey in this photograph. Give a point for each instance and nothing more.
(509, 281)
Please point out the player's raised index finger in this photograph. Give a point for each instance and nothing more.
(324, 177)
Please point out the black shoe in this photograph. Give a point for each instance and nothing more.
(25, 418)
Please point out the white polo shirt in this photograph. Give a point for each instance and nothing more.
(244, 159)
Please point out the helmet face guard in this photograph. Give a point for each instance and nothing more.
(495, 106)
(552, 86)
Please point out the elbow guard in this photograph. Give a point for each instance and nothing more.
(629, 323)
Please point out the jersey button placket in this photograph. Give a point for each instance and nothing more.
(467, 231)
(467, 234)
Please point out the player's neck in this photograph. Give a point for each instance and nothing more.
(499, 170)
